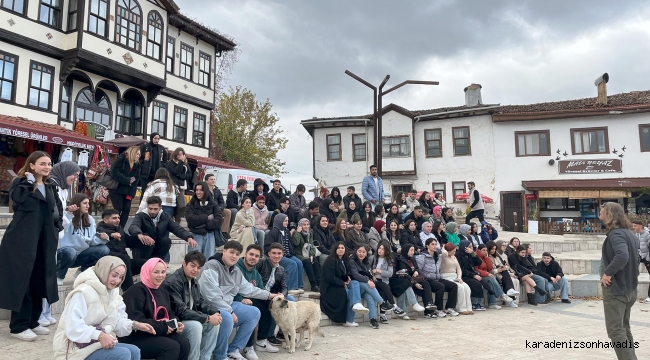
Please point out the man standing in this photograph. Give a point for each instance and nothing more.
(201, 318)
(619, 271)
(643, 238)
(372, 188)
(220, 281)
(552, 268)
(235, 198)
(475, 203)
(297, 201)
(218, 197)
(273, 201)
(153, 156)
(352, 197)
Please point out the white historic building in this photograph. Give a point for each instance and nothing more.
(131, 66)
(510, 152)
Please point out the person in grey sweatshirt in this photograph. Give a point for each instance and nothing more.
(643, 240)
(619, 271)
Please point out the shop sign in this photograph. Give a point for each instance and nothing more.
(590, 166)
(25, 133)
(531, 196)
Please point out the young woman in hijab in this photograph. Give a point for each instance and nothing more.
(323, 237)
(429, 264)
(95, 315)
(450, 270)
(464, 231)
(426, 233)
(475, 235)
(425, 201)
(281, 234)
(243, 230)
(489, 280)
(63, 176)
(393, 235)
(451, 230)
(340, 295)
(337, 199)
(354, 236)
(439, 233)
(501, 270)
(467, 259)
(512, 246)
(326, 208)
(377, 234)
(436, 214)
(350, 212)
(164, 187)
(28, 248)
(204, 218)
(149, 303)
(368, 216)
(447, 215)
(382, 269)
(307, 252)
(360, 270)
(393, 214)
(406, 265)
(411, 236)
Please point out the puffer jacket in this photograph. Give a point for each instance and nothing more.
(644, 244)
(486, 267)
(196, 214)
(429, 266)
(261, 217)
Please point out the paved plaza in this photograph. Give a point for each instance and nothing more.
(493, 334)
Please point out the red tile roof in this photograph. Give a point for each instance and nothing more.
(630, 99)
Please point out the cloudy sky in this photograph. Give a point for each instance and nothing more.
(295, 53)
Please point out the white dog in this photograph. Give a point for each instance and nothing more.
(294, 318)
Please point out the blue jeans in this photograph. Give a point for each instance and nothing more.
(354, 296)
(544, 285)
(202, 337)
(247, 319)
(372, 298)
(169, 210)
(121, 351)
(67, 257)
(206, 244)
(407, 299)
(498, 292)
(259, 236)
(563, 286)
(294, 269)
(47, 311)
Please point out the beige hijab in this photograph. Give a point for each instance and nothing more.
(104, 267)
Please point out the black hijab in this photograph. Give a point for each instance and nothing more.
(324, 209)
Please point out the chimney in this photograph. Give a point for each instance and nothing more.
(601, 83)
(473, 95)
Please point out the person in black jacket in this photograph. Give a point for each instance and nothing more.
(200, 318)
(323, 237)
(152, 157)
(552, 268)
(281, 234)
(406, 264)
(235, 199)
(417, 216)
(260, 188)
(352, 197)
(217, 196)
(110, 225)
(277, 193)
(126, 171)
(411, 236)
(203, 217)
(284, 208)
(467, 259)
(524, 269)
(149, 302)
(178, 169)
(265, 268)
(150, 231)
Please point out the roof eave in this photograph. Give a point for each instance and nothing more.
(455, 112)
(219, 41)
(565, 114)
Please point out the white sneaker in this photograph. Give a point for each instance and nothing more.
(77, 273)
(406, 317)
(512, 305)
(646, 301)
(51, 320)
(452, 312)
(26, 335)
(249, 353)
(59, 282)
(441, 313)
(264, 346)
(417, 307)
(43, 322)
(512, 292)
(506, 298)
(494, 306)
(39, 330)
(294, 292)
(350, 324)
(235, 355)
(358, 308)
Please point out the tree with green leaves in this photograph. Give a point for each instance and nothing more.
(245, 132)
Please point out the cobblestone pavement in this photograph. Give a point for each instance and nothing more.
(493, 334)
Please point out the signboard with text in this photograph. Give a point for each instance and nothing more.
(590, 166)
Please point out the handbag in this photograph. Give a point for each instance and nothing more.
(306, 248)
(97, 166)
(180, 199)
(417, 279)
(101, 195)
(106, 180)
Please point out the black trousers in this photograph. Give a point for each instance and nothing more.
(384, 291)
(475, 213)
(144, 252)
(312, 269)
(439, 287)
(169, 347)
(506, 282)
(425, 293)
(475, 287)
(265, 323)
(121, 204)
(144, 181)
(27, 317)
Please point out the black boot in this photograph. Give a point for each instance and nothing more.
(540, 291)
(531, 299)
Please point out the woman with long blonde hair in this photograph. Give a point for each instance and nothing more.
(126, 171)
(28, 249)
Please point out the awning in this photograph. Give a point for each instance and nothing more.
(553, 194)
(56, 134)
(619, 184)
(126, 141)
(209, 163)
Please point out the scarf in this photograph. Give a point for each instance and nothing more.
(463, 229)
(147, 269)
(60, 173)
(424, 226)
(435, 211)
(463, 245)
(300, 224)
(499, 243)
(452, 237)
(378, 225)
(278, 221)
(405, 251)
(105, 265)
(156, 219)
(324, 209)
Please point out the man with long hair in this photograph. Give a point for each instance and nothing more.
(619, 271)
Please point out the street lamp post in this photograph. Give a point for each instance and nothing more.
(377, 110)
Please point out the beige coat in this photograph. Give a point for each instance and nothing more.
(245, 237)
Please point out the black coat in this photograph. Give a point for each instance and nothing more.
(273, 201)
(178, 288)
(122, 172)
(289, 213)
(114, 245)
(218, 197)
(400, 283)
(333, 296)
(517, 264)
(418, 221)
(28, 248)
(197, 217)
(254, 194)
(153, 163)
(442, 237)
(390, 217)
(179, 172)
(357, 201)
(139, 307)
(232, 200)
(325, 240)
(274, 235)
(142, 224)
(467, 263)
(407, 237)
(553, 269)
(264, 267)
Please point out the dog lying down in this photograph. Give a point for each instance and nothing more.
(294, 318)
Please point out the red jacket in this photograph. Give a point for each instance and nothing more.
(485, 267)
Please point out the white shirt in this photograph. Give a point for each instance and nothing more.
(376, 183)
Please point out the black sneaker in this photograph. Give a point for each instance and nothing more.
(225, 235)
(374, 324)
(315, 288)
(430, 306)
(274, 341)
(280, 335)
(383, 319)
(397, 310)
(566, 301)
(431, 316)
(385, 306)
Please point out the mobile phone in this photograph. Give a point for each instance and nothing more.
(173, 324)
